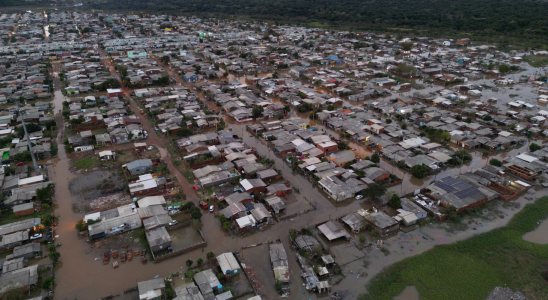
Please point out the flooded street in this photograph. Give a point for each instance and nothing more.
(78, 267)
(539, 235)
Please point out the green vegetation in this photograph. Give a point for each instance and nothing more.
(395, 201)
(534, 147)
(374, 191)
(536, 61)
(509, 22)
(418, 171)
(495, 162)
(375, 158)
(470, 269)
(84, 163)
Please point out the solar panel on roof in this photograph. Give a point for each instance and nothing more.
(467, 192)
(445, 187)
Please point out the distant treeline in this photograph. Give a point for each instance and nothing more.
(514, 20)
(511, 20)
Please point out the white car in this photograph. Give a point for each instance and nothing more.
(150, 148)
(359, 197)
(174, 222)
(212, 208)
(36, 236)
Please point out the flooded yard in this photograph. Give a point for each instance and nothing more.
(539, 235)
(88, 186)
(184, 237)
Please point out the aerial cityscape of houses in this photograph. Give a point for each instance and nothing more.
(208, 143)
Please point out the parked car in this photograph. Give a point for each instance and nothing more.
(155, 163)
(36, 236)
(20, 163)
(359, 197)
(174, 222)
(195, 187)
(150, 148)
(212, 208)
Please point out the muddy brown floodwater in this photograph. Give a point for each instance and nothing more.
(409, 293)
(539, 235)
(80, 276)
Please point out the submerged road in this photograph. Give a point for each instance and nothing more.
(79, 276)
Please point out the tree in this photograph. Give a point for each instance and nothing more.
(388, 121)
(81, 225)
(210, 255)
(8, 65)
(513, 127)
(495, 162)
(418, 171)
(54, 256)
(395, 201)
(458, 117)
(406, 70)
(199, 261)
(487, 118)
(342, 145)
(504, 68)
(330, 107)
(468, 120)
(403, 126)
(165, 59)
(534, 147)
(375, 158)
(189, 262)
(48, 282)
(275, 75)
(406, 46)
(374, 191)
(257, 111)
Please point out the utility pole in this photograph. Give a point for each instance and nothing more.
(28, 140)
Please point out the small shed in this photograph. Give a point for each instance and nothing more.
(228, 264)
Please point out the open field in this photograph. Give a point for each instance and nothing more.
(471, 269)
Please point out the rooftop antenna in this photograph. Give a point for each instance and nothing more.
(28, 140)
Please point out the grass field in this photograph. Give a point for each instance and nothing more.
(536, 61)
(472, 268)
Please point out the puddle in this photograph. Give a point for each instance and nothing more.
(409, 293)
(538, 235)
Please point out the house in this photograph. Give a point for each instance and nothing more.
(376, 174)
(31, 224)
(107, 155)
(139, 166)
(228, 264)
(115, 93)
(279, 263)
(342, 157)
(23, 209)
(24, 278)
(268, 175)
(328, 147)
(111, 226)
(275, 204)
(158, 239)
(206, 282)
(26, 251)
(151, 289)
(382, 223)
(333, 230)
(253, 185)
(278, 189)
(190, 77)
(339, 190)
